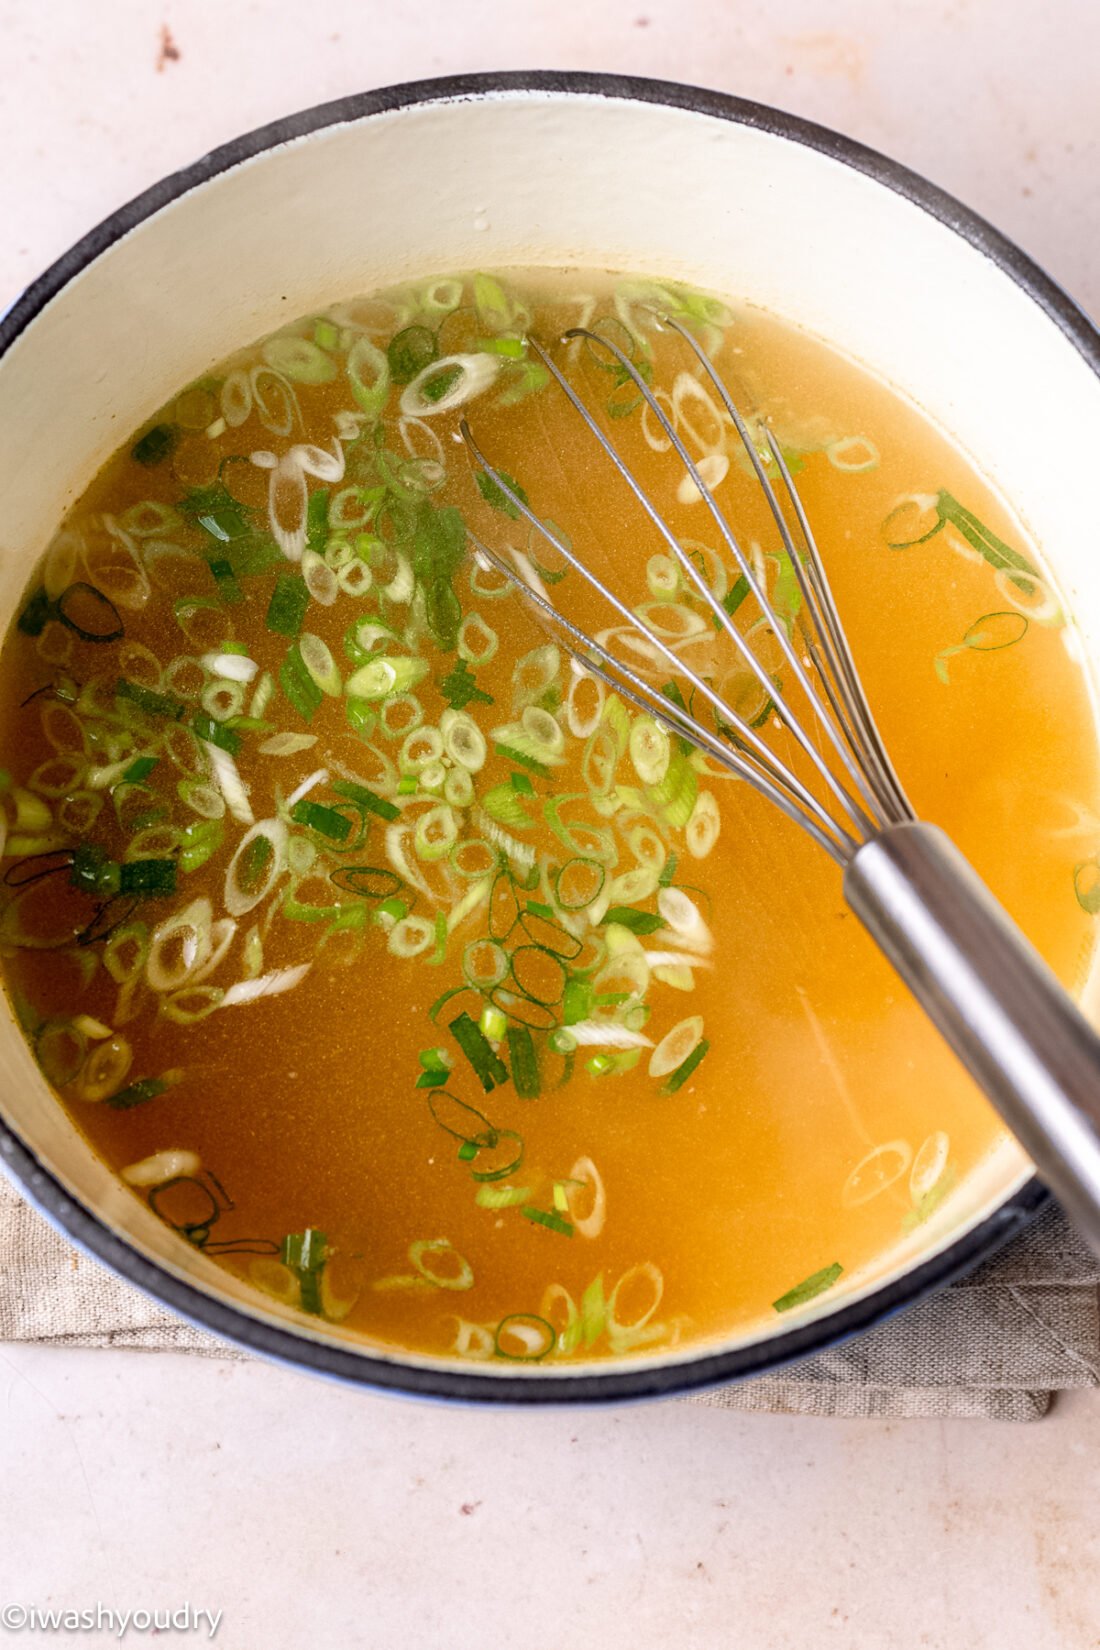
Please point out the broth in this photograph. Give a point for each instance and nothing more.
(429, 987)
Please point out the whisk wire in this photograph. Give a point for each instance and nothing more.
(790, 795)
(859, 819)
(775, 772)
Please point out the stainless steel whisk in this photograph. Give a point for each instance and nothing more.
(993, 998)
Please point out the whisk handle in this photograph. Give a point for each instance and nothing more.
(993, 998)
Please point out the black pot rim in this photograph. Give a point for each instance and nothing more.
(620, 1382)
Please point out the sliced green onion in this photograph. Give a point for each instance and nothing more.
(382, 678)
(525, 1067)
(136, 1094)
(216, 733)
(298, 685)
(200, 841)
(809, 1288)
(325, 821)
(493, 1023)
(523, 1337)
(152, 704)
(410, 936)
(317, 658)
(489, 1068)
(436, 832)
(299, 359)
(501, 1197)
(683, 1071)
(477, 641)
(638, 922)
(550, 1218)
(485, 964)
(409, 352)
(288, 604)
(366, 799)
(463, 740)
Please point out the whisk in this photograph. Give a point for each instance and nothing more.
(993, 998)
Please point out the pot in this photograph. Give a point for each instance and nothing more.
(489, 171)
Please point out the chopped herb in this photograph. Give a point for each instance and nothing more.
(497, 497)
(525, 1066)
(638, 922)
(479, 1051)
(814, 1285)
(459, 688)
(735, 595)
(155, 445)
(153, 704)
(325, 821)
(679, 1077)
(216, 733)
(287, 607)
(522, 786)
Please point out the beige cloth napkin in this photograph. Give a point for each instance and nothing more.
(999, 1344)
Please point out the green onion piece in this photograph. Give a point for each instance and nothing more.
(409, 352)
(155, 445)
(201, 840)
(492, 1022)
(395, 908)
(668, 871)
(366, 799)
(522, 786)
(325, 821)
(153, 704)
(216, 733)
(735, 595)
(93, 871)
(226, 580)
(435, 1059)
(600, 1065)
(90, 614)
(459, 688)
(37, 613)
(287, 607)
(432, 1079)
(497, 497)
(467, 1151)
(317, 519)
(576, 1002)
(140, 768)
(525, 1066)
(679, 1077)
(501, 1197)
(541, 910)
(593, 1311)
(371, 881)
(548, 1218)
(136, 1094)
(304, 1251)
(814, 1285)
(490, 1069)
(638, 922)
(521, 759)
(147, 876)
(407, 785)
(298, 684)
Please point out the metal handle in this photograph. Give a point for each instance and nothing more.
(994, 999)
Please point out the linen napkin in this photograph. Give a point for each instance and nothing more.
(999, 1344)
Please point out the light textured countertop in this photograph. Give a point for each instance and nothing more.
(310, 1515)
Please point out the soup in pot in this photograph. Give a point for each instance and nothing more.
(397, 963)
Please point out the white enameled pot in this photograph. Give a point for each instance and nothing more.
(536, 169)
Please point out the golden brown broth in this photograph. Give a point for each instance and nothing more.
(304, 1105)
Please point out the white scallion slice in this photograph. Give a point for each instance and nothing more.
(702, 829)
(585, 1190)
(105, 1070)
(876, 1173)
(384, 678)
(650, 750)
(441, 1264)
(230, 784)
(435, 832)
(253, 872)
(318, 660)
(458, 788)
(584, 702)
(928, 1165)
(320, 580)
(543, 729)
(222, 699)
(463, 740)
(477, 641)
(232, 667)
(171, 1164)
(319, 776)
(464, 377)
(606, 1034)
(682, 915)
(179, 946)
(267, 985)
(420, 749)
(626, 1312)
(534, 673)
(662, 575)
(287, 744)
(676, 1045)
